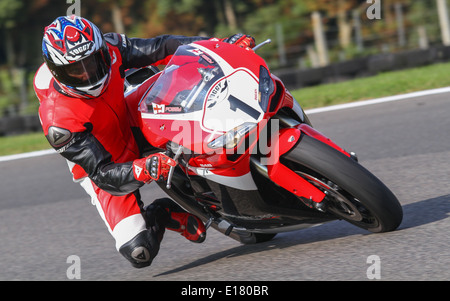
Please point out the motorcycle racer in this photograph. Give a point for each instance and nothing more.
(85, 118)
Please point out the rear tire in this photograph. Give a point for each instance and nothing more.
(352, 192)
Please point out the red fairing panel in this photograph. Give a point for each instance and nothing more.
(319, 136)
(286, 178)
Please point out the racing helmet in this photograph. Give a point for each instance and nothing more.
(76, 53)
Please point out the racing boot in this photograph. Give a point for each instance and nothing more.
(187, 224)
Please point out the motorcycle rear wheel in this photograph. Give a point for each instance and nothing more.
(352, 192)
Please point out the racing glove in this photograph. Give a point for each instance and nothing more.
(241, 40)
(152, 168)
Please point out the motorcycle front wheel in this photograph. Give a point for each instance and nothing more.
(352, 192)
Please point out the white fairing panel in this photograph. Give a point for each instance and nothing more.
(232, 101)
(244, 182)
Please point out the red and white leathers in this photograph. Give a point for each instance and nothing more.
(99, 137)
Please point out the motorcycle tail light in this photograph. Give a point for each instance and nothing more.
(232, 138)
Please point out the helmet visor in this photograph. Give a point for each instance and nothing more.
(85, 72)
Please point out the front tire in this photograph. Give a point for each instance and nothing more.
(352, 192)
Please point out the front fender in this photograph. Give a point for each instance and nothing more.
(280, 174)
(285, 177)
(311, 132)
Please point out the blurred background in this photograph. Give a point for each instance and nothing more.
(313, 41)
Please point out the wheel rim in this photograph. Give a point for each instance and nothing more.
(340, 203)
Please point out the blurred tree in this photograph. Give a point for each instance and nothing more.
(286, 22)
(292, 20)
(9, 16)
(9, 10)
(21, 24)
(340, 12)
(119, 12)
(187, 17)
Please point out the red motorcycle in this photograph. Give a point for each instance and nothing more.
(249, 162)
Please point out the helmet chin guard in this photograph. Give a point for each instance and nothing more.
(87, 92)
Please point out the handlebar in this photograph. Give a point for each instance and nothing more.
(268, 41)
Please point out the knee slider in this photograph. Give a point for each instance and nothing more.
(141, 250)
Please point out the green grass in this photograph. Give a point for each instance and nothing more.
(384, 84)
(23, 143)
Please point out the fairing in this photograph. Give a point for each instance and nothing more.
(201, 90)
(216, 100)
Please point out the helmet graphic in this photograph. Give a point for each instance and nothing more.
(77, 55)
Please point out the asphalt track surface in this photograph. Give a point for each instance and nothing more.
(45, 218)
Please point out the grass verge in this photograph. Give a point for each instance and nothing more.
(384, 84)
(18, 144)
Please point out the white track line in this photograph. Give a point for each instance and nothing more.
(27, 155)
(310, 111)
(379, 100)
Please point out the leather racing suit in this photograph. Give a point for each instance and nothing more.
(100, 137)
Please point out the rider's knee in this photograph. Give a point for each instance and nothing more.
(141, 250)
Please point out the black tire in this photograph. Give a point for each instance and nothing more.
(353, 193)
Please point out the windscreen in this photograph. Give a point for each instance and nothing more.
(195, 82)
(183, 85)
